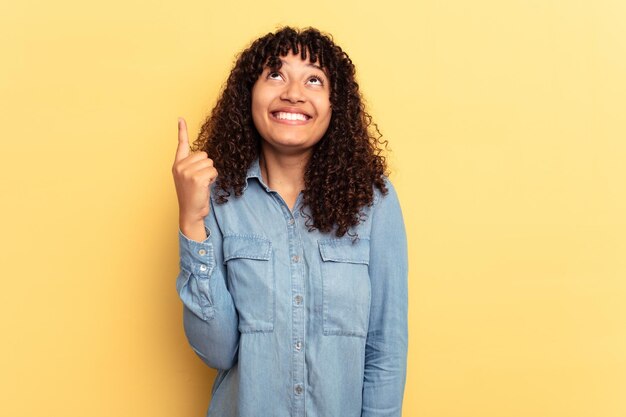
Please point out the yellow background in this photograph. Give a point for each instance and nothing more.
(506, 121)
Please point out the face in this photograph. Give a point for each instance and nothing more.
(291, 106)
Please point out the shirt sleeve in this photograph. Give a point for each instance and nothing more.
(209, 316)
(387, 338)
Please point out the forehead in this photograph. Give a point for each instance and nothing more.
(292, 60)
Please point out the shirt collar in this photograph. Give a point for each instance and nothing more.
(254, 171)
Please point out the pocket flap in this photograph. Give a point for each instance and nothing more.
(250, 247)
(343, 250)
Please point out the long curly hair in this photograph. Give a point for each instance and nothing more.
(346, 162)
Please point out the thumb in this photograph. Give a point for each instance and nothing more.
(183, 140)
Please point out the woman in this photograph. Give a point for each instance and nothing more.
(293, 257)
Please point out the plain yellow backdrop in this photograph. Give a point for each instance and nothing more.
(507, 128)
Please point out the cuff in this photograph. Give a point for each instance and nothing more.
(196, 257)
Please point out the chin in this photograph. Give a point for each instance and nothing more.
(289, 145)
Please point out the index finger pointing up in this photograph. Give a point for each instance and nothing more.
(183, 140)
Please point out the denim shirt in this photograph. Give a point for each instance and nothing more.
(297, 323)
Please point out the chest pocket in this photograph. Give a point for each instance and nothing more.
(346, 289)
(248, 260)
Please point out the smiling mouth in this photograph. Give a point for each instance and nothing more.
(280, 115)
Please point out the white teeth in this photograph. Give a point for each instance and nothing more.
(290, 116)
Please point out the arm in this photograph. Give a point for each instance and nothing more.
(387, 338)
(209, 315)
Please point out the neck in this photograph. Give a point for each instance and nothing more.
(283, 172)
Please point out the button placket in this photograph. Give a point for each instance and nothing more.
(297, 272)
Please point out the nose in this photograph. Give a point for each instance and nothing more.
(293, 92)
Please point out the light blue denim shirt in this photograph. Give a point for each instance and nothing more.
(297, 323)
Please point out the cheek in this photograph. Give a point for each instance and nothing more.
(329, 115)
(258, 108)
(328, 112)
(324, 122)
(323, 107)
(257, 97)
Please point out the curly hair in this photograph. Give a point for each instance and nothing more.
(345, 163)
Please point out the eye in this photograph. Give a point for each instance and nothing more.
(273, 75)
(316, 80)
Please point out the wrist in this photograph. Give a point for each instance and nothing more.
(189, 220)
(193, 228)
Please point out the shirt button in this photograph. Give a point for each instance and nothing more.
(291, 221)
(202, 252)
(298, 299)
(202, 267)
(298, 389)
(298, 345)
(295, 258)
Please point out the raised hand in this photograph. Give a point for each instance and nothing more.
(193, 175)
